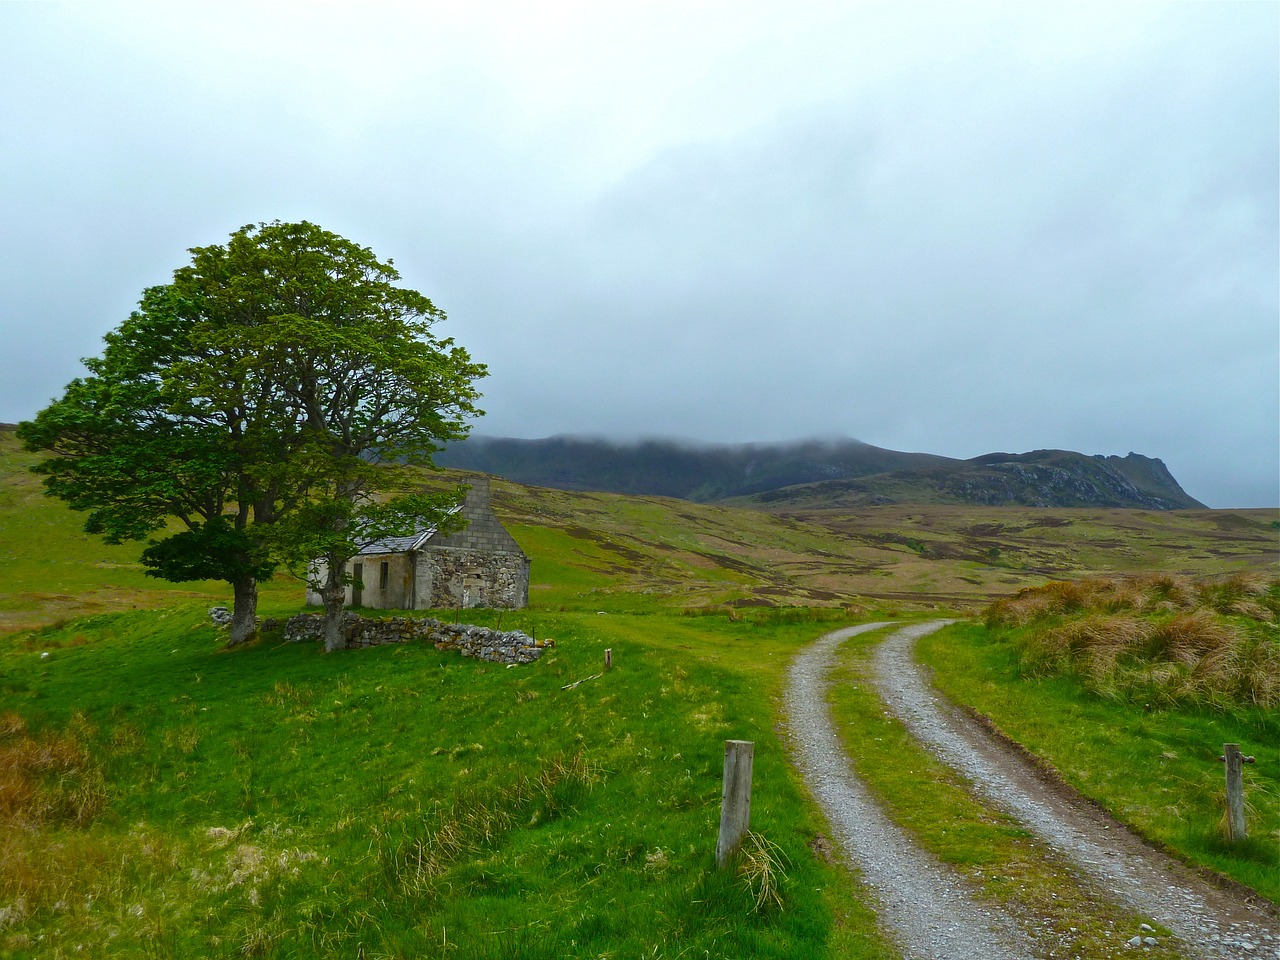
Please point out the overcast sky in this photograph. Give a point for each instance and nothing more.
(954, 228)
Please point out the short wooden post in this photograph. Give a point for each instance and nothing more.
(1236, 829)
(735, 804)
(608, 659)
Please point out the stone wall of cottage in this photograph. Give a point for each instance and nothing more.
(480, 565)
(483, 643)
(467, 578)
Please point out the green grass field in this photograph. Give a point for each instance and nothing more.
(403, 802)
(166, 797)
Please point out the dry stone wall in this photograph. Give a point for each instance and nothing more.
(483, 643)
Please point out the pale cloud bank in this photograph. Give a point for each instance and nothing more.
(956, 228)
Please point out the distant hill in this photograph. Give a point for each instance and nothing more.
(815, 474)
(1042, 478)
(666, 468)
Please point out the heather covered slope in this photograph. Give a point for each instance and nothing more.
(645, 549)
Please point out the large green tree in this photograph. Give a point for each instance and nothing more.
(274, 399)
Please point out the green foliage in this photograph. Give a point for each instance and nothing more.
(120, 456)
(282, 380)
(208, 551)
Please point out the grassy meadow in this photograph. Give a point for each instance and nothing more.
(169, 797)
(162, 796)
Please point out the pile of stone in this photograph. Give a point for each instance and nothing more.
(483, 643)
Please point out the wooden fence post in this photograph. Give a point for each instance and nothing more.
(735, 804)
(608, 659)
(1236, 829)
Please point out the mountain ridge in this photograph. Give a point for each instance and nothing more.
(817, 473)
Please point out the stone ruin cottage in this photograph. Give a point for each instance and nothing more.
(479, 566)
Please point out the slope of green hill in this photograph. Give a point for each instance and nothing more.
(631, 552)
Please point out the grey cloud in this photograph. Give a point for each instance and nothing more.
(984, 250)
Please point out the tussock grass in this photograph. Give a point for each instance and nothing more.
(48, 778)
(1244, 594)
(761, 865)
(1155, 640)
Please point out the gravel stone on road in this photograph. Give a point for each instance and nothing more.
(923, 904)
(1210, 922)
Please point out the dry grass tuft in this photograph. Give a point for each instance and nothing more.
(49, 778)
(48, 781)
(760, 864)
(1159, 639)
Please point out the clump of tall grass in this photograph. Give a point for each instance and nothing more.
(1162, 640)
(1249, 595)
(50, 778)
(415, 862)
(760, 866)
(48, 781)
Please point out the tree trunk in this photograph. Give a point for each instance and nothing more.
(244, 615)
(334, 596)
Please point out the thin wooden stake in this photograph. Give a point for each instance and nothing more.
(608, 659)
(1236, 829)
(735, 804)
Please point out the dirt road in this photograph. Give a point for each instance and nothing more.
(924, 904)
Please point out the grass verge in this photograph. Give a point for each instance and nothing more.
(1153, 767)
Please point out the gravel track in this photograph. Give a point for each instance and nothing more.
(922, 903)
(1210, 921)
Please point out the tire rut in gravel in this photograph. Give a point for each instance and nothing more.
(1210, 922)
(924, 905)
